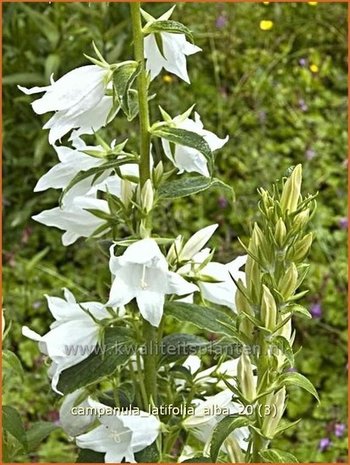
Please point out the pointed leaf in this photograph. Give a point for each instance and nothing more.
(277, 456)
(189, 186)
(38, 432)
(210, 319)
(222, 430)
(297, 379)
(171, 26)
(12, 423)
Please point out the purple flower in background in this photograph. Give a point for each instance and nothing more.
(316, 310)
(302, 105)
(339, 429)
(324, 444)
(310, 154)
(222, 201)
(343, 223)
(303, 62)
(221, 21)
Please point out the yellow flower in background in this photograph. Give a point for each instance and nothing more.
(266, 3)
(312, 3)
(266, 25)
(168, 79)
(314, 68)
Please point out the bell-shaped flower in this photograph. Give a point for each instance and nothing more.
(74, 334)
(187, 158)
(169, 52)
(73, 423)
(223, 289)
(119, 435)
(78, 98)
(207, 415)
(74, 218)
(142, 273)
(71, 162)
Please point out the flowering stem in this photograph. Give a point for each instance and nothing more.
(149, 332)
(142, 93)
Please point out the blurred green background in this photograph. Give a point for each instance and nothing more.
(279, 93)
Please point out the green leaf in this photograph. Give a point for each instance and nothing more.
(187, 138)
(176, 346)
(12, 362)
(297, 379)
(283, 344)
(277, 456)
(148, 455)
(90, 456)
(38, 432)
(123, 78)
(190, 185)
(97, 171)
(285, 427)
(210, 319)
(173, 27)
(300, 310)
(12, 423)
(222, 430)
(118, 346)
(47, 27)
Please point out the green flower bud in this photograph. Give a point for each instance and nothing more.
(147, 196)
(174, 250)
(243, 306)
(288, 281)
(253, 278)
(245, 377)
(158, 174)
(268, 309)
(301, 248)
(275, 405)
(291, 191)
(301, 219)
(127, 191)
(280, 232)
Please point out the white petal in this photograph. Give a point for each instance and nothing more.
(120, 293)
(145, 252)
(71, 89)
(197, 242)
(33, 90)
(154, 59)
(73, 424)
(151, 306)
(145, 429)
(176, 284)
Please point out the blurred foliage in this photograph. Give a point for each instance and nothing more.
(281, 96)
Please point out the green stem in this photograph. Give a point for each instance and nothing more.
(142, 93)
(149, 332)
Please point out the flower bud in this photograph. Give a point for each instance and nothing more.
(275, 405)
(147, 196)
(288, 281)
(301, 219)
(196, 242)
(268, 309)
(253, 278)
(243, 306)
(280, 232)
(174, 250)
(245, 377)
(301, 248)
(158, 173)
(291, 191)
(127, 191)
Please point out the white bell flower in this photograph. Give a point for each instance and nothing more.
(73, 218)
(209, 412)
(72, 161)
(121, 435)
(187, 158)
(73, 336)
(78, 98)
(175, 50)
(196, 242)
(142, 273)
(75, 424)
(224, 290)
